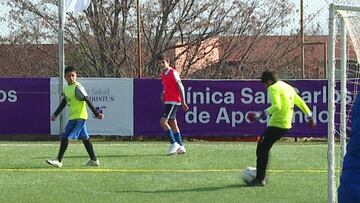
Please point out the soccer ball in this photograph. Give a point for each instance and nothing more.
(249, 174)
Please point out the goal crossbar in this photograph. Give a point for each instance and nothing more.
(346, 7)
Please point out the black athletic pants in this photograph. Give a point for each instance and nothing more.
(269, 137)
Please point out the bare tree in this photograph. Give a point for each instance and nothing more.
(195, 33)
(191, 27)
(100, 42)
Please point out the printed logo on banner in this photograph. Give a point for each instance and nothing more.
(100, 95)
(9, 96)
(112, 97)
(219, 107)
(250, 99)
(21, 99)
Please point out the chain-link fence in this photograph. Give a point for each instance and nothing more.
(214, 39)
(315, 29)
(24, 51)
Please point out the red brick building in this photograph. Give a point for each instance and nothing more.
(236, 58)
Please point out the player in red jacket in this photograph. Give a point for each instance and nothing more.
(172, 96)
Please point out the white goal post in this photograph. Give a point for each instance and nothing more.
(341, 25)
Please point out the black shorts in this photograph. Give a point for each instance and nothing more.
(169, 111)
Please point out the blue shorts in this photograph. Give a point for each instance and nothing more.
(76, 129)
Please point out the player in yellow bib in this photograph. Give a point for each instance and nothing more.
(283, 97)
(76, 98)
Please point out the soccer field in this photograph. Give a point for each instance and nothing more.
(141, 172)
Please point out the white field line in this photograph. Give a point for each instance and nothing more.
(108, 170)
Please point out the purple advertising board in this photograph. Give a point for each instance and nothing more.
(25, 105)
(218, 107)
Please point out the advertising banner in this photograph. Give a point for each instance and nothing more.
(24, 106)
(113, 96)
(218, 107)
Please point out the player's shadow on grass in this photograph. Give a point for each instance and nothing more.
(202, 189)
(108, 156)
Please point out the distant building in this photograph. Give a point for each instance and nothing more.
(246, 57)
(219, 57)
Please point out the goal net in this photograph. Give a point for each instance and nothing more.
(343, 79)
